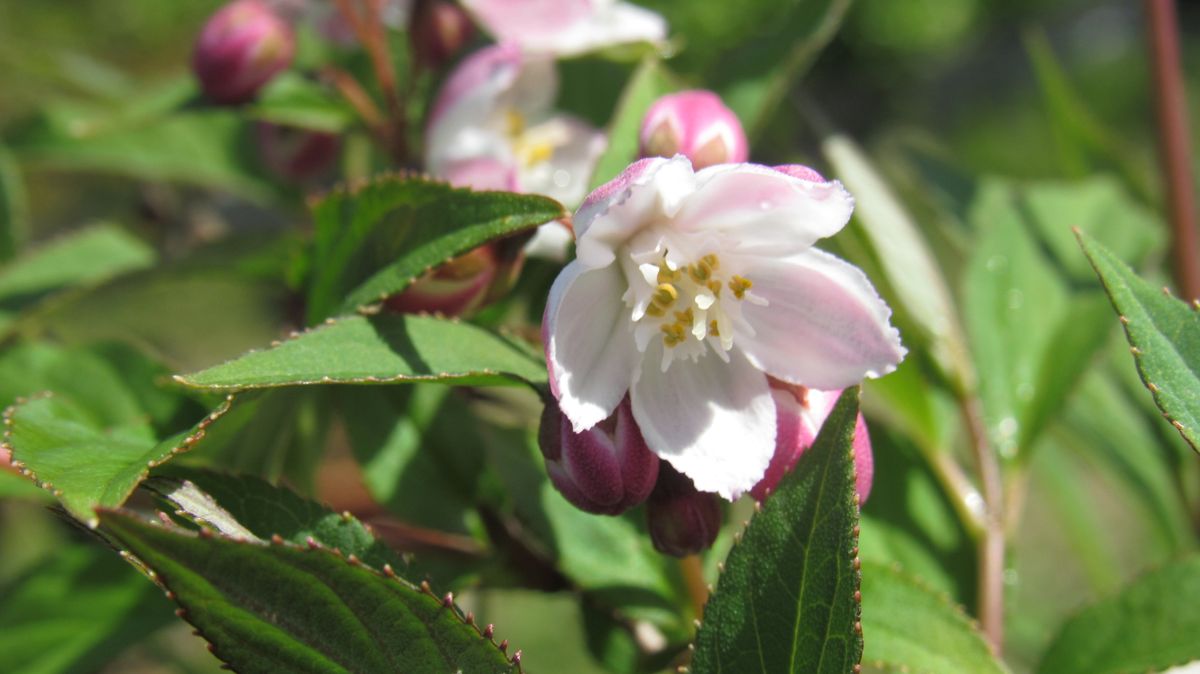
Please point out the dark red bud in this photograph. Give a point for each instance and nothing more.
(682, 521)
(243, 45)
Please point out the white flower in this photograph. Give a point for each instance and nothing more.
(566, 27)
(498, 105)
(688, 290)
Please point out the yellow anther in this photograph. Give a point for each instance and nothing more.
(665, 295)
(700, 272)
(712, 329)
(673, 334)
(656, 311)
(535, 153)
(711, 260)
(714, 287)
(685, 317)
(515, 122)
(739, 285)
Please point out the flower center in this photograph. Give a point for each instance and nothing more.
(531, 146)
(691, 306)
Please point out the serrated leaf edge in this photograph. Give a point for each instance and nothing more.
(188, 444)
(311, 546)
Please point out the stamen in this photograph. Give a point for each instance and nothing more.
(515, 122)
(714, 287)
(739, 285)
(665, 294)
(685, 316)
(713, 330)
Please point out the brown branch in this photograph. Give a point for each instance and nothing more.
(1174, 144)
(370, 31)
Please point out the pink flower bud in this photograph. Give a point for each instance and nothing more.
(682, 521)
(240, 49)
(695, 124)
(296, 155)
(606, 469)
(440, 30)
(799, 414)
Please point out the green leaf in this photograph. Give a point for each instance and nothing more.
(1150, 625)
(909, 627)
(386, 348)
(904, 256)
(14, 206)
(786, 601)
(1164, 335)
(87, 256)
(249, 507)
(649, 82)
(374, 240)
(85, 465)
(292, 100)
(75, 613)
(273, 608)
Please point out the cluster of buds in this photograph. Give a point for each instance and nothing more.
(608, 468)
(243, 45)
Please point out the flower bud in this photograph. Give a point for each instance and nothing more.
(682, 521)
(799, 414)
(240, 49)
(440, 29)
(296, 155)
(695, 124)
(606, 469)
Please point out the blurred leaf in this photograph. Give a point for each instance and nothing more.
(14, 207)
(1149, 626)
(87, 256)
(85, 465)
(546, 626)
(1164, 335)
(208, 148)
(375, 240)
(282, 608)
(904, 257)
(248, 507)
(910, 627)
(386, 348)
(75, 613)
(163, 311)
(787, 598)
(649, 82)
(13, 486)
(293, 100)
(82, 374)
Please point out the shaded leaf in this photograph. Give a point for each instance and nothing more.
(272, 608)
(14, 206)
(87, 466)
(909, 627)
(292, 100)
(373, 241)
(786, 600)
(1164, 334)
(1150, 625)
(385, 348)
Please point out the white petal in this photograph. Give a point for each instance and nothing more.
(577, 147)
(567, 27)
(589, 344)
(764, 211)
(713, 421)
(824, 326)
(551, 241)
(649, 192)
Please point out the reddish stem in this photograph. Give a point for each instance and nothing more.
(1174, 144)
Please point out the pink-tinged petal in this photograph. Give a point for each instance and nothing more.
(823, 326)
(483, 173)
(801, 171)
(589, 348)
(565, 175)
(820, 404)
(491, 70)
(713, 421)
(649, 191)
(517, 21)
(567, 27)
(764, 211)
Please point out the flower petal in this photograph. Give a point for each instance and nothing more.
(713, 421)
(589, 347)
(764, 211)
(823, 326)
(646, 193)
(567, 27)
(576, 147)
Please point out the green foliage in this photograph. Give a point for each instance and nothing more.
(14, 206)
(82, 463)
(373, 241)
(647, 84)
(379, 349)
(1150, 625)
(72, 613)
(788, 598)
(292, 100)
(1164, 336)
(279, 607)
(910, 627)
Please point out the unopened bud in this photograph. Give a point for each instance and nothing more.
(440, 29)
(682, 521)
(799, 415)
(606, 469)
(695, 124)
(296, 155)
(240, 49)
